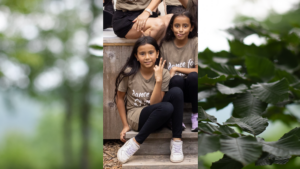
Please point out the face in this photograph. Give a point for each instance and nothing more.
(147, 55)
(182, 27)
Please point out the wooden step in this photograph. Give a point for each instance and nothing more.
(158, 143)
(160, 162)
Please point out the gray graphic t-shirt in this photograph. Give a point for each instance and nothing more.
(139, 91)
(184, 57)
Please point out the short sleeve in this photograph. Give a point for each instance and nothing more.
(166, 80)
(196, 50)
(123, 85)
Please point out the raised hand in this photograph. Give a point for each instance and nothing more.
(159, 70)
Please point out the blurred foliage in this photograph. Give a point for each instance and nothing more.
(261, 82)
(44, 54)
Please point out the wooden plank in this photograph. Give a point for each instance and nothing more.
(116, 41)
(114, 58)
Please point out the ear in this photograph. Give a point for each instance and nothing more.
(157, 54)
(136, 57)
(192, 28)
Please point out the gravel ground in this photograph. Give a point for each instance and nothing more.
(110, 149)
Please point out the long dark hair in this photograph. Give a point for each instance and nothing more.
(132, 62)
(170, 34)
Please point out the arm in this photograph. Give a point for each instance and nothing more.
(140, 21)
(122, 112)
(183, 70)
(184, 3)
(157, 94)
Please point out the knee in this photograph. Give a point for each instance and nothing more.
(167, 109)
(177, 80)
(176, 91)
(159, 24)
(193, 76)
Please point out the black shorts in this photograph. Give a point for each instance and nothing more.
(122, 21)
(174, 9)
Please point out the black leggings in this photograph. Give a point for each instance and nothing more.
(156, 116)
(189, 86)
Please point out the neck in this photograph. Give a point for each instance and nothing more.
(181, 43)
(147, 71)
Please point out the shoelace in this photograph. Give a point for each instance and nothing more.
(177, 148)
(130, 150)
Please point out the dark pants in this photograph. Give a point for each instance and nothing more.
(189, 86)
(156, 116)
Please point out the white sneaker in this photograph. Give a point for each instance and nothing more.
(176, 151)
(127, 150)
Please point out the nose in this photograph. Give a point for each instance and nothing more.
(147, 55)
(180, 29)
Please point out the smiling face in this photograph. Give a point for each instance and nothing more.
(182, 27)
(147, 55)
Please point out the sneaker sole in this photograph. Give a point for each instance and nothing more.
(195, 130)
(174, 161)
(119, 158)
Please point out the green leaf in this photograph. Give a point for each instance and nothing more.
(286, 146)
(205, 80)
(269, 159)
(275, 113)
(280, 74)
(208, 144)
(260, 67)
(96, 47)
(206, 93)
(295, 132)
(226, 130)
(208, 128)
(222, 130)
(231, 90)
(247, 105)
(226, 163)
(203, 116)
(226, 70)
(271, 92)
(206, 71)
(253, 124)
(243, 149)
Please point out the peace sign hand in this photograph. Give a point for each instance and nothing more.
(159, 70)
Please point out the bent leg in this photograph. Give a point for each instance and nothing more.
(177, 81)
(191, 86)
(152, 118)
(175, 97)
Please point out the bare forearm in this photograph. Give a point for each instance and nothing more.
(156, 96)
(184, 3)
(153, 4)
(186, 70)
(122, 111)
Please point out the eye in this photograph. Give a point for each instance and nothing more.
(151, 52)
(142, 53)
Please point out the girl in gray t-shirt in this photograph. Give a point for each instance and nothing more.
(144, 101)
(180, 50)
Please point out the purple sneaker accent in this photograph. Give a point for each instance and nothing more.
(183, 126)
(194, 120)
(169, 126)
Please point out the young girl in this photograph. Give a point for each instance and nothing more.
(148, 105)
(180, 50)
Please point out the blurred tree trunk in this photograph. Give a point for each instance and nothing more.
(84, 119)
(67, 128)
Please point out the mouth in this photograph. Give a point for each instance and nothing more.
(147, 63)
